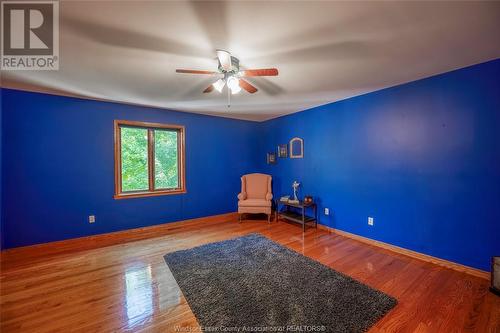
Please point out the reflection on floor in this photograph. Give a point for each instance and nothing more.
(139, 295)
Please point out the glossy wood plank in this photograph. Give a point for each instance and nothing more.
(44, 253)
(414, 254)
(123, 285)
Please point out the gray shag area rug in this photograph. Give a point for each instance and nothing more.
(252, 284)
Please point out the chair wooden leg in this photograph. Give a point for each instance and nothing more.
(239, 218)
(269, 218)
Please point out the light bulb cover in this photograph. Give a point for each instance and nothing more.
(219, 84)
(233, 83)
(235, 90)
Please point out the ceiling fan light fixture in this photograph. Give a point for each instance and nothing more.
(233, 84)
(219, 84)
(229, 70)
(235, 90)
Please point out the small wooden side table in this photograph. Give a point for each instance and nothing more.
(300, 217)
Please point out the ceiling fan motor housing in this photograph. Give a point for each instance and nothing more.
(235, 66)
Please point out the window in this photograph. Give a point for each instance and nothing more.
(149, 159)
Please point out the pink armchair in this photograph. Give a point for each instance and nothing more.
(256, 195)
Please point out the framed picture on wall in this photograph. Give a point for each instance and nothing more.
(271, 158)
(296, 148)
(283, 151)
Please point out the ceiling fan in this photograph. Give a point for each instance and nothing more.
(229, 67)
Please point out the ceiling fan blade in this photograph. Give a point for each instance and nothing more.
(224, 59)
(247, 86)
(209, 89)
(194, 71)
(260, 72)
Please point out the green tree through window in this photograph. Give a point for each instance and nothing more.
(150, 159)
(134, 159)
(166, 157)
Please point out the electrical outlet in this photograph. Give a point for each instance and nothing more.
(91, 218)
(370, 220)
(327, 211)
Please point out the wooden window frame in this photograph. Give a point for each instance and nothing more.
(119, 194)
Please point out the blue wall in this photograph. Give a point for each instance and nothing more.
(422, 158)
(58, 167)
(1, 189)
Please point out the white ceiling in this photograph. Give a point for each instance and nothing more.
(127, 51)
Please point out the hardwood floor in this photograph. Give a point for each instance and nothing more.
(128, 287)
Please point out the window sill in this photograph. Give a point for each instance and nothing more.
(147, 194)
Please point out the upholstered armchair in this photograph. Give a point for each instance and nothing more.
(256, 195)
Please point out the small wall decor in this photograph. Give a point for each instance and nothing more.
(271, 158)
(296, 148)
(283, 151)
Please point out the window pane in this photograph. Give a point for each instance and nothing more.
(134, 159)
(166, 163)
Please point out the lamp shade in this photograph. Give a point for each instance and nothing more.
(219, 84)
(234, 84)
